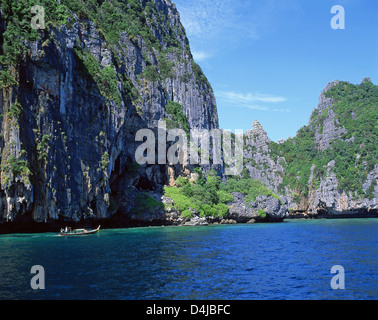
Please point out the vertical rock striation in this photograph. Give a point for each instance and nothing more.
(327, 169)
(259, 161)
(69, 123)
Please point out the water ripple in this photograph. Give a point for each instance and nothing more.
(270, 261)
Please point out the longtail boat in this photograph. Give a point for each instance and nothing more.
(78, 232)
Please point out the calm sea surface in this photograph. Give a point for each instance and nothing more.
(290, 260)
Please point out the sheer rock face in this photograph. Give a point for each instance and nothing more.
(258, 160)
(326, 198)
(77, 134)
(331, 127)
(264, 208)
(329, 201)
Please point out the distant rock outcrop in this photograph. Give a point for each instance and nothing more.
(258, 159)
(270, 162)
(265, 208)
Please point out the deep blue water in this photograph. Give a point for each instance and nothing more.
(290, 260)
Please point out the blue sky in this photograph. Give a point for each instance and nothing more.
(268, 60)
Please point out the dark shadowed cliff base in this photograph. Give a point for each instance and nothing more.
(28, 225)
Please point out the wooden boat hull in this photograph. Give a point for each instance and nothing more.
(79, 233)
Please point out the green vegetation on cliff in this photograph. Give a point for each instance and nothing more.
(144, 202)
(18, 18)
(13, 167)
(249, 187)
(356, 107)
(111, 17)
(105, 78)
(6, 79)
(87, 53)
(209, 196)
(300, 154)
(177, 118)
(355, 152)
(201, 196)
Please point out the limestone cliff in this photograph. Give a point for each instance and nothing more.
(330, 168)
(258, 161)
(73, 99)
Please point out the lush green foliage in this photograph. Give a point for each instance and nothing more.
(249, 187)
(300, 154)
(105, 161)
(261, 213)
(18, 17)
(15, 111)
(209, 196)
(356, 107)
(144, 202)
(355, 154)
(6, 79)
(150, 73)
(224, 196)
(199, 74)
(112, 18)
(201, 196)
(108, 84)
(12, 166)
(105, 78)
(177, 118)
(43, 147)
(159, 72)
(165, 67)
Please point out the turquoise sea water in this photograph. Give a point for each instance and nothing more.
(290, 260)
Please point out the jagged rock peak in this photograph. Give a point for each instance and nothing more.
(325, 102)
(258, 129)
(330, 85)
(258, 134)
(256, 124)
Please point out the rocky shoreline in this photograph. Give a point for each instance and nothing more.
(265, 209)
(118, 221)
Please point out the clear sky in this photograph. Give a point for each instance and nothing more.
(268, 60)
